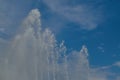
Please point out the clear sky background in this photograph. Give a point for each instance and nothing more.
(94, 23)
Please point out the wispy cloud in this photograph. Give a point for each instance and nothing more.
(117, 64)
(85, 14)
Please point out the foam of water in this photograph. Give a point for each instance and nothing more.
(34, 54)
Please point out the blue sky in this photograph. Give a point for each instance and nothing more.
(102, 40)
(95, 24)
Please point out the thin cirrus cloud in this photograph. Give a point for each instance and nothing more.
(117, 64)
(85, 14)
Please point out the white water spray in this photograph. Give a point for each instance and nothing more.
(35, 55)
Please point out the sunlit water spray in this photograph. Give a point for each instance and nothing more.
(35, 54)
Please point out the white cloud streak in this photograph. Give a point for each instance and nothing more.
(84, 14)
(117, 64)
